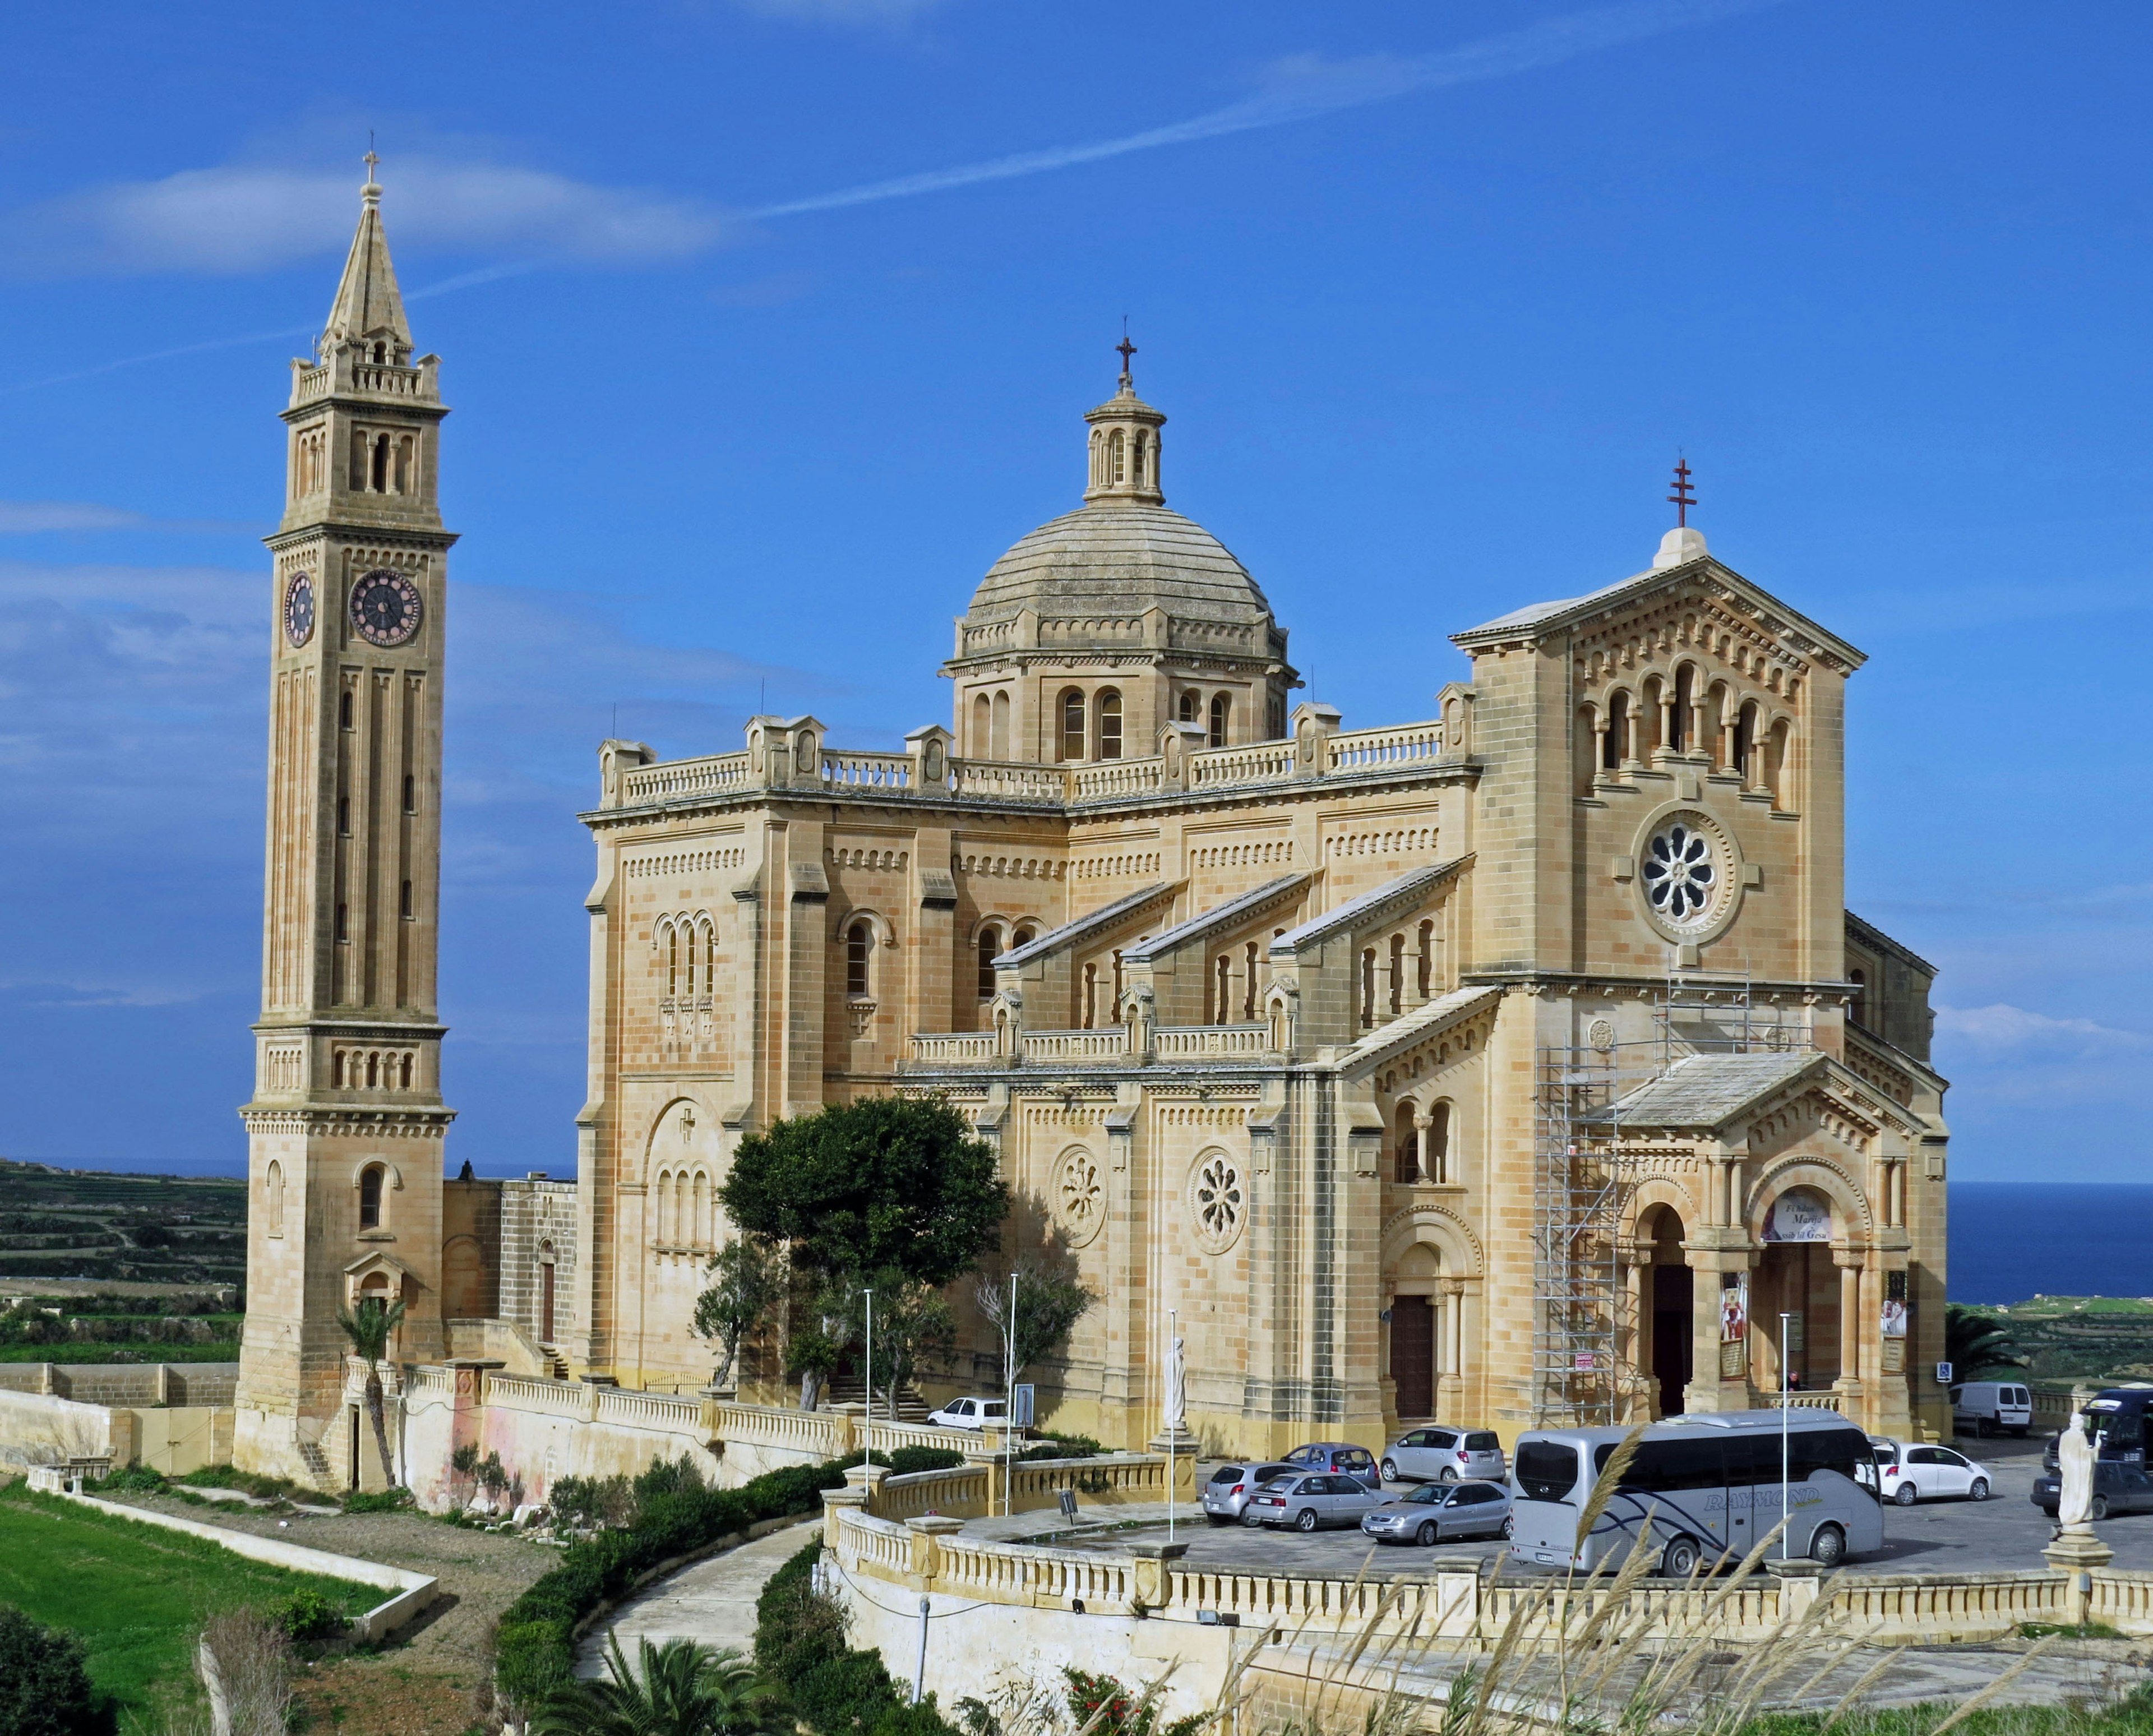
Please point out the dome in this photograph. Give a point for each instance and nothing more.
(1117, 559)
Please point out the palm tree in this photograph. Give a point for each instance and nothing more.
(369, 1326)
(1976, 1344)
(682, 1688)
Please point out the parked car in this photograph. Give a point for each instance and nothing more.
(1445, 1455)
(1987, 1405)
(1440, 1512)
(1907, 1472)
(2117, 1421)
(1340, 1456)
(1306, 1501)
(1226, 1495)
(970, 1413)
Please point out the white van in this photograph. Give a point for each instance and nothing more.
(1987, 1407)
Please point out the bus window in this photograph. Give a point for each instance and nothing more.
(1547, 1470)
(1666, 1467)
(1755, 1459)
(1843, 1450)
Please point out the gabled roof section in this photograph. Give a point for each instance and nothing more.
(1224, 916)
(1539, 618)
(1368, 906)
(1868, 935)
(1097, 922)
(1708, 1091)
(367, 302)
(1409, 1028)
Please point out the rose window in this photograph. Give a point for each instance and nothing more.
(1082, 1199)
(1681, 875)
(1217, 1201)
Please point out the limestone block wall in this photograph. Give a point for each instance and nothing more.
(126, 1383)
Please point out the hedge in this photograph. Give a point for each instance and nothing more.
(535, 1649)
(835, 1689)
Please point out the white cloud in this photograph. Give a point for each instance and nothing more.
(247, 217)
(2001, 1027)
(26, 518)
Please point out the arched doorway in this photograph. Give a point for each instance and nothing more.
(1672, 1339)
(1413, 1330)
(546, 1293)
(1796, 1278)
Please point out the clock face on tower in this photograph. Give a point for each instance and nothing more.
(299, 609)
(385, 608)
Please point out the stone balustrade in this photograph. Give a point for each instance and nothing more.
(1799, 1400)
(1109, 1043)
(886, 773)
(1193, 1042)
(953, 1048)
(712, 775)
(817, 1434)
(1380, 750)
(1222, 768)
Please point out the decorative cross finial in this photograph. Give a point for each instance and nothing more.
(1684, 496)
(1125, 348)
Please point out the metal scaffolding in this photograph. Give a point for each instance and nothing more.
(1580, 1305)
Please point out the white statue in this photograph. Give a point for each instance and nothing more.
(2075, 1459)
(1177, 1390)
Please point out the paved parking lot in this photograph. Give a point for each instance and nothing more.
(1948, 1536)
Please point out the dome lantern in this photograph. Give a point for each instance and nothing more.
(1124, 444)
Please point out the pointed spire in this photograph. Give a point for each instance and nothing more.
(367, 304)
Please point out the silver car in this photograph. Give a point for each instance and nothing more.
(1445, 1455)
(1226, 1495)
(1307, 1500)
(1442, 1513)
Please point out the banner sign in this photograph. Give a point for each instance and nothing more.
(1800, 1214)
(1734, 1307)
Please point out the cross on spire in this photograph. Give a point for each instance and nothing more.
(1684, 496)
(1125, 348)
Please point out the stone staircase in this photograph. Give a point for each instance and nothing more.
(316, 1463)
(851, 1389)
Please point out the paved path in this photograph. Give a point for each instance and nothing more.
(712, 1602)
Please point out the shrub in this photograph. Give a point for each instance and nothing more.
(306, 1615)
(591, 1503)
(800, 1645)
(135, 1479)
(386, 1500)
(1061, 1446)
(1102, 1706)
(905, 1460)
(44, 1686)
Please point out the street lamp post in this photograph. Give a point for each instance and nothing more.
(1785, 1459)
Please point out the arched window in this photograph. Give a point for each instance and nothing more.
(403, 1074)
(1024, 936)
(342, 925)
(1407, 1147)
(1425, 978)
(343, 816)
(1117, 458)
(709, 934)
(997, 737)
(672, 960)
(1437, 1159)
(403, 903)
(370, 1197)
(982, 711)
(1109, 724)
(343, 710)
(404, 456)
(272, 1198)
(1222, 707)
(1072, 725)
(990, 946)
(1368, 988)
(1678, 731)
(410, 794)
(1777, 753)
(700, 1236)
(1248, 988)
(1397, 974)
(1651, 707)
(1745, 743)
(1143, 458)
(374, 1070)
(1190, 700)
(380, 464)
(336, 1070)
(545, 1292)
(859, 938)
(1617, 748)
(688, 936)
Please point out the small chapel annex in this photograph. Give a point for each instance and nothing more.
(1517, 1064)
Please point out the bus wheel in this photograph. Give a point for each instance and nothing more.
(1828, 1548)
(1679, 1559)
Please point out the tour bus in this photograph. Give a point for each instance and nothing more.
(1710, 1484)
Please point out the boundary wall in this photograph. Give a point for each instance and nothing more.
(901, 1567)
(42, 1428)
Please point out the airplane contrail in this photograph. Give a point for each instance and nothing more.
(1303, 90)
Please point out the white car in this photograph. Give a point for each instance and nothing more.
(970, 1413)
(1907, 1472)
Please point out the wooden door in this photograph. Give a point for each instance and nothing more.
(1413, 1355)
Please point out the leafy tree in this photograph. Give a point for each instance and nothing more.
(1976, 1344)
(369, 1326)
(883, 1184)
(44, 1685)
(747, 1281)
(1050, 1302)
(913, 1323)
(812, 1356)
(682, 1688)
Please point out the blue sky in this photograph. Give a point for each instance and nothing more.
(768, 324)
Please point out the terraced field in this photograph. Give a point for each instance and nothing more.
(82, 1225)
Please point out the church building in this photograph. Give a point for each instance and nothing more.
(1518, 1064)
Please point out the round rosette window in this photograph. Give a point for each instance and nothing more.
(1686, 876)
(1218, 1202)
(1080, 1196)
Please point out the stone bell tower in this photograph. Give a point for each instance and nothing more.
(345, 1129)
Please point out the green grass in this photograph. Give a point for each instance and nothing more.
(135, 1594)
(219, 1350)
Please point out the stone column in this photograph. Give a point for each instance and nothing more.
(1423, 1172)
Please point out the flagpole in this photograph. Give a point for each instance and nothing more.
(1786, 1459)
(869, 1440)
